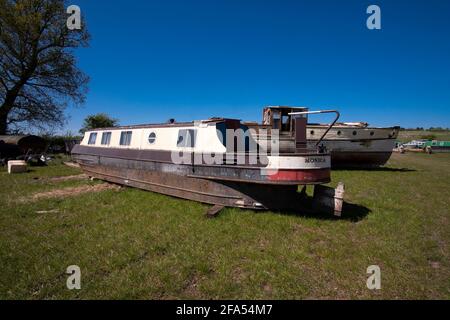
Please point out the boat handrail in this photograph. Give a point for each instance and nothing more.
(319, 112)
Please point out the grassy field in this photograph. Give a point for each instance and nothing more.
(408, 135)
(134, 244)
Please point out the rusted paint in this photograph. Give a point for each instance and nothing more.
(222, 193)
(140, 159)
(318, 175)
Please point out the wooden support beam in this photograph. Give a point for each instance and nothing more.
(214, 211)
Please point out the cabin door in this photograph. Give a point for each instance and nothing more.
(300, 124)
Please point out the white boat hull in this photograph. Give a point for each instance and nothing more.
(349, 146)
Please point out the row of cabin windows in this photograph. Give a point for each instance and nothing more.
(186, 138)
(125, 138)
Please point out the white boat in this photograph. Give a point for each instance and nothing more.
(351, 145)
(415, 144)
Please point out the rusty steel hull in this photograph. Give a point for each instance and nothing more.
(160, 161)
(224, 193)
(340, 159)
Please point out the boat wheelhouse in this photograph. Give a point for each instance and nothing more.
(214, 161)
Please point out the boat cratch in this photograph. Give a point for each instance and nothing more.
(214, 161)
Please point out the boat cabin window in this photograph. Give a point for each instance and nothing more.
(286, 123)
(92, 138)
(125, 138)
(276, 119)
(106, 138)
(186, 138)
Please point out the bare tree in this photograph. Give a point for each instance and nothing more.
(38, 72)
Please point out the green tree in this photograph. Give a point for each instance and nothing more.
(38, 72)
(99, 120)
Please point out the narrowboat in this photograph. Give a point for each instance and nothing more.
(215, 161)
(351, 145)
(434, 146)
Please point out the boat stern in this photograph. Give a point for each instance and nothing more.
(300, 169)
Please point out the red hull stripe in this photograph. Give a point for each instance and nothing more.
(316, 175)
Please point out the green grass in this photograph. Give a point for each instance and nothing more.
(134, 244)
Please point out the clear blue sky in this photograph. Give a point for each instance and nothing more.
(154, 60)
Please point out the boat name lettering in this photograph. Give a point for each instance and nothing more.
(315, 160)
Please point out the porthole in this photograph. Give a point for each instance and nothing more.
(152, 138)
(355, 133)
(372, 133)
(339, 133)
(312, 132)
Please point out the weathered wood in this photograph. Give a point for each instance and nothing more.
(214, 211)
(329, 199)
(72, 164)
